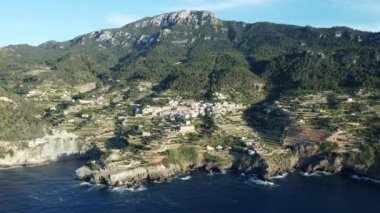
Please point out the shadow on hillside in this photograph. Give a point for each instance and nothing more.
(161, 87)
(165, 83)
(93, 153)
(268, 120)
(116, 143)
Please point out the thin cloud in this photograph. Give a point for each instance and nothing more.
(221, 5)
(118, 19)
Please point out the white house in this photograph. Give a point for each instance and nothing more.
(187, 129)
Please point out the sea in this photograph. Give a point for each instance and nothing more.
(53, 188)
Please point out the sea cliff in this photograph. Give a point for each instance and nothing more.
(59, 145)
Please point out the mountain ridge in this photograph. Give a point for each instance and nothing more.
(176, 44)
(153, 19)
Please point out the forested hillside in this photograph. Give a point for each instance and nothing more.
(196, 53)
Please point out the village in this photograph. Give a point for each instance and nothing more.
(134, 125)
(116, 124)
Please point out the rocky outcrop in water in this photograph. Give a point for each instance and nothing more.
(128, 177)
(110, 172)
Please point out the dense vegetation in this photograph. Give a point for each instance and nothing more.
(229, 57)
(316, 71)
(18, 120)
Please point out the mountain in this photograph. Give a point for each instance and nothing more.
(194, 52)
(186, 90)
(195, 55)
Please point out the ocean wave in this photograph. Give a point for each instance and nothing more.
(326, 173)
(316, 174)
(307, 174)
(186, 177)
(82, 184)
(85, 184)
(282, 176)
(92, 187)
(211, 173)
(98, 185)
(122, 189)
(258, 181)
(357, 177)
(35, 197)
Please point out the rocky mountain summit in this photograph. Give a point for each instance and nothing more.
(183, 17)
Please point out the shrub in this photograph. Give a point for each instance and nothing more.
(366, 156)
(328, 147)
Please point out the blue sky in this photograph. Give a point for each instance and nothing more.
(33, 22)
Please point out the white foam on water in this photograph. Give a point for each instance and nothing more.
(85, 184)
(356, 177)
(214, 173)
(307, 174)
(282, 176)
(94, 187)
(224, 172)
(99, 186)
(326, 173)
(316, 174)
(80, 184)
(258, 181)
(186, 177)
(122, 189)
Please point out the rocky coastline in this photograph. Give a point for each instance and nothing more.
(62, 146)
(307, 158)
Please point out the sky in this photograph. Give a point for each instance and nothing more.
(36, 21)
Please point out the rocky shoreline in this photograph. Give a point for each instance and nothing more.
(307, 158)
(131, 177)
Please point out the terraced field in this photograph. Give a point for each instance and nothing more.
(307, 134)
